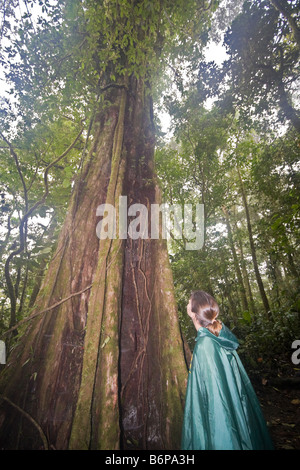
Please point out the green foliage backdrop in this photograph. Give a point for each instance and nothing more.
(238, 156)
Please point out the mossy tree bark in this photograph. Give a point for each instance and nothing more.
(106, 368)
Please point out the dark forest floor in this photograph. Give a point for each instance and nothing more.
(281, 408)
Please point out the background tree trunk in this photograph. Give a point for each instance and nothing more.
(253, 250)
(244, 271)
(104, 369)
(241, 286)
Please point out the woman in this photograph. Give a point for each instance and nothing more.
(222, 411)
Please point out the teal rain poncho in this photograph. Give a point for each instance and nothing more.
(222, 411)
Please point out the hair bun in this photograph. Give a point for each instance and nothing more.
(206, 311)
(215, 327)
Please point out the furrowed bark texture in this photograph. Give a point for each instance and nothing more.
(105, 369)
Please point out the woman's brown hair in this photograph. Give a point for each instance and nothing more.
(206, 310)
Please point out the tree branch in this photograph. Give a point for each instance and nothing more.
(41, 432)
(111, 85)
(290, 19)
(24, 219)
(15, 156)
(30, 317)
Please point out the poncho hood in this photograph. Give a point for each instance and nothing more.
(226, 338)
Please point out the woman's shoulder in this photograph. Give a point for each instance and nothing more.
(205, 340)
(226, 339)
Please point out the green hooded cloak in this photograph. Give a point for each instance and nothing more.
(222, 411)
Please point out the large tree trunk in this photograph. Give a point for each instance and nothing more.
(106, 368)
